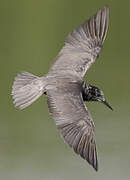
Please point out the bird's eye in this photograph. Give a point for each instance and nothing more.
(98, 95)
(93, 93)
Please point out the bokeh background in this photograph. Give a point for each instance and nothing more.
(31, 34)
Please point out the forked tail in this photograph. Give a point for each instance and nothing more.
(27, 88)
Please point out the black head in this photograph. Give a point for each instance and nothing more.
(93, 93)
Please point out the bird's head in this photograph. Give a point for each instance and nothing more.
(93, 93)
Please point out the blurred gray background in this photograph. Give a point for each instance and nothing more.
(31, 34)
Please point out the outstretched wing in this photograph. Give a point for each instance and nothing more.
(73, 120)
(83, 45)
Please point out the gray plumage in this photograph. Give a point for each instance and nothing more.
(63, 85)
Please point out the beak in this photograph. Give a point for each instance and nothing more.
(106, 103)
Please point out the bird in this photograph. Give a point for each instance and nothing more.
(66, 91)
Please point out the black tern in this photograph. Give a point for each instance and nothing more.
(65, 89)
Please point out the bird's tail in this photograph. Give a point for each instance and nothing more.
(27, 88)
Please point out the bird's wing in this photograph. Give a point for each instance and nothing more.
(83, 45)
(73, 121)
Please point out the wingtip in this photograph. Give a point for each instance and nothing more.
(94, 164)
(95, 168)
(106, 7)
(102, 19)
(107, 10)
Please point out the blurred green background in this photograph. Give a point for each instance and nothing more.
(31, 35)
